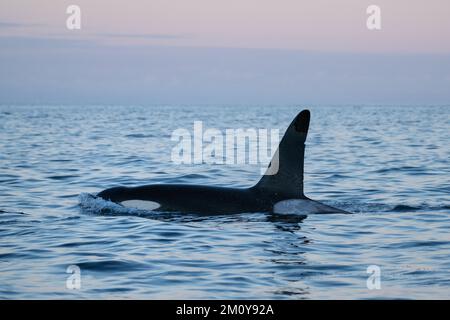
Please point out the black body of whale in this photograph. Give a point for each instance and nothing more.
(280, 189)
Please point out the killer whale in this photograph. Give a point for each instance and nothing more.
(280, 190)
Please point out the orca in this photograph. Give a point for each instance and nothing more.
(280, 190)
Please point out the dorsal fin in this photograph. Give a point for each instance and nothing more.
(284, 176)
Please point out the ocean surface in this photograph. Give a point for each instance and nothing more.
(389, 165)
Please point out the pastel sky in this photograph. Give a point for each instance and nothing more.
(217, 51)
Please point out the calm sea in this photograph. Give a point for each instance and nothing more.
(387, 164)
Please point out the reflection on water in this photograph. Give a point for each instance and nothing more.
(388, 165)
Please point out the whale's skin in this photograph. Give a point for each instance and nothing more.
(197, 198)
(283, 181)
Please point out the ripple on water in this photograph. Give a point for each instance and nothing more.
(356, 160)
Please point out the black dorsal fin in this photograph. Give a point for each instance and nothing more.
(284, 176)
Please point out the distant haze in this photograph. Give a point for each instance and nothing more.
(216, 51)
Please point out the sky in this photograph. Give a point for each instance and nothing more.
(216, 51)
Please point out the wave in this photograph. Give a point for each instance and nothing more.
(11, 212)
(139, 135)
(357, 207)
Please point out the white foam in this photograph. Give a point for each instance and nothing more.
(97, 205)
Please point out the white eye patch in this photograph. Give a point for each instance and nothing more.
(141, 204)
